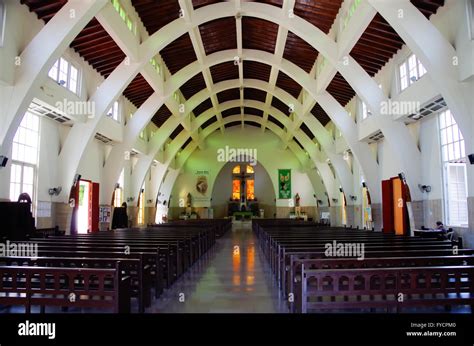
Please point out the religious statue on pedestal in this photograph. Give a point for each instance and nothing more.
(188, 200)
(297, 206)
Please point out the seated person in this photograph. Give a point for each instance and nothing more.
(440, 227)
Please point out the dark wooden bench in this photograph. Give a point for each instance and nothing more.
(293, 274)
(47, 232)
(138, 271)
(362, 288)
(52, 286)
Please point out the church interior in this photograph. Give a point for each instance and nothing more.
(241, 156)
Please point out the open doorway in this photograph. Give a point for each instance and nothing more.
(84, 207)
(342, 196)
(87, 217)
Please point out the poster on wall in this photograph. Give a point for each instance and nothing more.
(202, 181)
(104, 213)
(200, 195)
(284, 183)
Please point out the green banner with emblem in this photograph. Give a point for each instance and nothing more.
(284, 183)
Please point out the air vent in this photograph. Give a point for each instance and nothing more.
(429, 109)
(43, 109)
(376, 137)
(103, 139)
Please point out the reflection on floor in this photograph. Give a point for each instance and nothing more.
(232, 278)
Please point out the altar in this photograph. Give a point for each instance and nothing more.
(243, 215)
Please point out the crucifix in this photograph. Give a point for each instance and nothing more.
(243, 188)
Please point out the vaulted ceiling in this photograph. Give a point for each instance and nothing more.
(373, 50)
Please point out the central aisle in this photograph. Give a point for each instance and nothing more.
(232, 278)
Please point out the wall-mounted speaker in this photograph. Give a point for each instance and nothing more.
(3, 161)
(471, 158)
(77, 177)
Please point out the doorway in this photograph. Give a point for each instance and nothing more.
(87, 216)
(84, 207)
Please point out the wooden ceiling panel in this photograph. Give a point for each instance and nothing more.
(281, 106)
(380, 41)
(288, 84)
(255, 94)
(259, 34)
(156, 14)
(307, 131)
(376, 46)
(193, 86)
(275, 121)
(231, 111)
(176, 131)
(256, 70)
(138, 91)
(93, 43)
(321, 13)
(428, 7)
(189, 140)
(277, 3)
(233, 123)
(228, 95)
(44, 9)
(251, 123)
(340, 89)
(202, 107)
(161, 116)
(299, 52)
(209, 122)
(179, 53)
(320, 114)
(299, 144)
(219, 34)
(224, 71)
(200, 3)
(253, 111)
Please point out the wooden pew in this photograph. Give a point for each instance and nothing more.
(52, 286)
(294, 273)
(138, 271)
(335, 289)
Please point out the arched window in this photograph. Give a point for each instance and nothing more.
(243, 182)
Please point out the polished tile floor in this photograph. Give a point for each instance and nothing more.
(233, 277)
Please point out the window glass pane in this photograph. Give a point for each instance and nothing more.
(73, 79)
(442, 120)
(421, 69)
(455, 133)
(443, 137)
(449, 133)
(445, 153)
(63, 70)
(53, 72)
(457, 151)
(450, 152)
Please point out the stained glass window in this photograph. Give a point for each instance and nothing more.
(236, 189)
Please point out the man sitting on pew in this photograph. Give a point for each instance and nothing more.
(441, 231)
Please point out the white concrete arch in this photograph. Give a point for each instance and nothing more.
(145, 162)
(184, 155)
(325, 46)
(36, 60)
(333, 108)
(437, 56)
(396, 134)
(171, 151)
